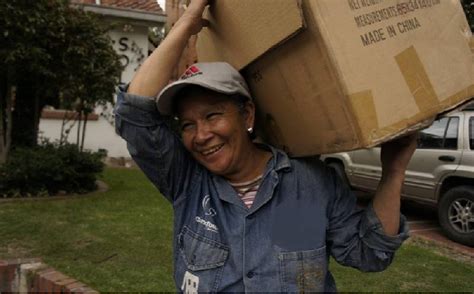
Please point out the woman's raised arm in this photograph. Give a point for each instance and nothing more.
(155, 73)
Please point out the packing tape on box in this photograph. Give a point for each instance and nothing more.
(364, 108)
(417, 79)
(423, 93)
(406, 126)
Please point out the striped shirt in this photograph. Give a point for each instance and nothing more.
(247, 190)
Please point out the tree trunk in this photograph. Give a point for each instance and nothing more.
(6, 123)
(24, 117)
(79, 120)
(66, 130)
(2, 126)
(62, 137)
(8, 138)
(37, 110)
(84, 131)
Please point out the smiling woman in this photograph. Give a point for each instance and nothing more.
(247, 217)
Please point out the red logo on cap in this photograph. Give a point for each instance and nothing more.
(191, 72)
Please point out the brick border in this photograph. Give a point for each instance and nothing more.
(60, 114)
(27, 275)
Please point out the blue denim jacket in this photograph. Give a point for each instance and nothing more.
(302, 214)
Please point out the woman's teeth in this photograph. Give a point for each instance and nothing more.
(212, 150)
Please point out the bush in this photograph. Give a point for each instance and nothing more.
(48, 169)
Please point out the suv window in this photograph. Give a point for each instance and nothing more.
(442, 134)
(451, 138)
(471, 132)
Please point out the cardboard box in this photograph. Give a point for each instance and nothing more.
(337, 75)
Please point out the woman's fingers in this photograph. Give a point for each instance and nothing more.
(196, 6)
(192, 16)
(396, 154)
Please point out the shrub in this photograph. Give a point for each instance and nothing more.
(48, 169)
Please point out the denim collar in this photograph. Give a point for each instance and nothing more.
(280, 160)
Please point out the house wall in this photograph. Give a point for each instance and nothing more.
(100, 134)
(131, 43)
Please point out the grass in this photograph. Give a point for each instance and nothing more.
(120, 240)
(114, 241)
(415, 269)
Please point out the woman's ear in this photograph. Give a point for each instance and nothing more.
(249, 114)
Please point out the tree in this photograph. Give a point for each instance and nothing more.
(52, 53)
(90, 58)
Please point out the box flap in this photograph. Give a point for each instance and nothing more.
(240, 31)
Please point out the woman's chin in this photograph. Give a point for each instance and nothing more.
(219, 167)
(216, 169)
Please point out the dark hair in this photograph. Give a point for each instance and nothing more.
(240, 101)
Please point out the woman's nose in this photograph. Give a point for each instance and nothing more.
(203, 133)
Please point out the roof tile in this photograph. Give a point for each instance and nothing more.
(144, 5)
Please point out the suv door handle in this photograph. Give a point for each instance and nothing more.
(447, 158)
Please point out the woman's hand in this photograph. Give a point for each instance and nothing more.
(192, 17)
(396, 154)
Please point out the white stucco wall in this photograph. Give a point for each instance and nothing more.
(100, 134)
(131, 43)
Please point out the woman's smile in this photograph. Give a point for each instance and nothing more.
(212, 150)
(217, 158)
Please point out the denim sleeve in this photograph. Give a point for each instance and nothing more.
(355, 236)
(156, 149)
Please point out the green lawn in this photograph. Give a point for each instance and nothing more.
(121, 241)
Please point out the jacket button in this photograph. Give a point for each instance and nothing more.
(250, 275)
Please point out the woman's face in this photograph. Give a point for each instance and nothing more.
(214, 131)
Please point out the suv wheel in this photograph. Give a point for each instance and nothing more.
(456, 214)
(339, 168)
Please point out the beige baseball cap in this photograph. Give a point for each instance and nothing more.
(220, 77)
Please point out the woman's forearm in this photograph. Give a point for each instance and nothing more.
(387, 202)
(395, 157)
(155, 73)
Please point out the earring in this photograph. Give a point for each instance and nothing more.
(250, 130)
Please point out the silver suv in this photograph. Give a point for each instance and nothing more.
(440, 173)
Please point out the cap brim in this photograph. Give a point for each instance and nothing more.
(164, 102)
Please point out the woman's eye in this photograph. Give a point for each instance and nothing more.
(186, 126)
(213, 115)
